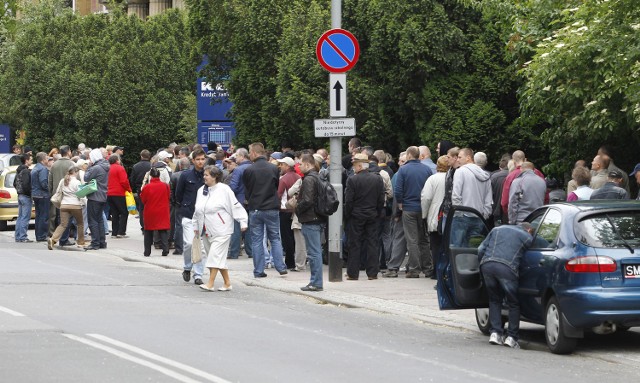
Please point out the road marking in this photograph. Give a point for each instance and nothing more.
(11, 312)
(150, 355)
(142, 362)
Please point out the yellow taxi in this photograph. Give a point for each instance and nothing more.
(9, 197)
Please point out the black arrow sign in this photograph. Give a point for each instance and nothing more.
(338, 88)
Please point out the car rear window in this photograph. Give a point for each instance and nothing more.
(611, 230)
(8, 179)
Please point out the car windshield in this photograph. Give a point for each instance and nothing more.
(611, 230)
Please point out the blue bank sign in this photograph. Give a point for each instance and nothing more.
(213, 101)
(5, 138)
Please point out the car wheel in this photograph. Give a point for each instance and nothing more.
(3, 225)
(482, 319)
(557, 341)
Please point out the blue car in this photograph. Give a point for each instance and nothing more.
(582, 272)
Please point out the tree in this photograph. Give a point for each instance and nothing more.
(583, 75)
(98, 79)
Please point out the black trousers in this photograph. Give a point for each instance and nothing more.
(363, 242)
(140, 207)
(148, 241)
(119, 214)
(288, 241)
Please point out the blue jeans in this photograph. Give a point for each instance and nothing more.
(464, 228)
(313, 240)
(502, 286)
(236, 238)
(42, 218)
(95, 215)
(259, 221)
(24, 215)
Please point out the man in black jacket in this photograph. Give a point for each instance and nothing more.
(22, 184)
(612, 188)
(135, 180)
(312, 224)
(261, 191)
(364, 204)
(186, 192)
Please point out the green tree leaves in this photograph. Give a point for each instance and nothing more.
(98, 79)
(428, 70)
(583, 77)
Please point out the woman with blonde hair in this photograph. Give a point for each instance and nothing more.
(71, 206)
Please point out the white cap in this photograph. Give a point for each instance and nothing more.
(163, 155)
(287, 160)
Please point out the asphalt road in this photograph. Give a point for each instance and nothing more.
(72, 316)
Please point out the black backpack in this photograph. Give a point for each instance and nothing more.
(22, 182)
(327, 198)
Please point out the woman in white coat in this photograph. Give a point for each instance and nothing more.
(215, 210)
(431, 199)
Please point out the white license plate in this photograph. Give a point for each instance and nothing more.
(631, 271)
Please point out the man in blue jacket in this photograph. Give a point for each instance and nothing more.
(237, 185)
(41, 196)
(186, 192)
(500, 254)
(410, 180)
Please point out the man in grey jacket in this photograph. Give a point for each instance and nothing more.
(98, 171)
(526, 194)
(471, 188)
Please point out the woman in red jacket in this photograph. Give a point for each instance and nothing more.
(117, 186)
(155, 197)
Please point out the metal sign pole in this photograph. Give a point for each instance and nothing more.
(335, 177)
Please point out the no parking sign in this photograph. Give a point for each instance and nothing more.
(337, 50)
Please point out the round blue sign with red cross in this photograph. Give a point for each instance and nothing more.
(337, 50)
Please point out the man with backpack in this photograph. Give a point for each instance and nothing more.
(22, 184)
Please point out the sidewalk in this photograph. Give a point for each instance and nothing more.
(409, 298)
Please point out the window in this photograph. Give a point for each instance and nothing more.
(8, 179)
(548, 230)
(611, 230)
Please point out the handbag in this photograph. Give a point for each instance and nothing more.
(86, 189)
(56, 199)
(131, 203)
(196, 249)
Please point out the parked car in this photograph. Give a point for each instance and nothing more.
(9, 159)
(582, 272)
(9, 197)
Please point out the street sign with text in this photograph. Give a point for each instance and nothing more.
(335, 127)
(337, 95)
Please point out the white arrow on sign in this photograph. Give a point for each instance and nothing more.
(338, 94)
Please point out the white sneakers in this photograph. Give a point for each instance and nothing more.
(510, 342)
(496, 339)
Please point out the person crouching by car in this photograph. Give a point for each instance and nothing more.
(155, 198)
(500, 254)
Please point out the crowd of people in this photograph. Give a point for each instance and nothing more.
(266, 202)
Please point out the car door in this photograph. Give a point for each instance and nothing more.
(460, 284)
(538, 262)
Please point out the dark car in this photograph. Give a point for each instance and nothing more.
(582, 272)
